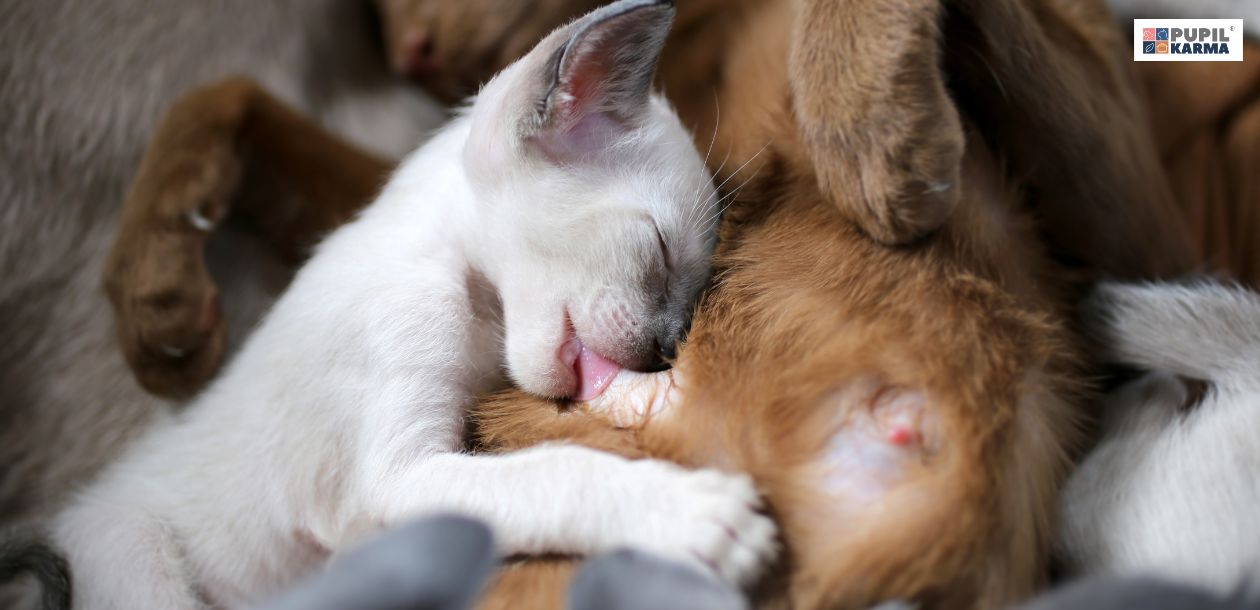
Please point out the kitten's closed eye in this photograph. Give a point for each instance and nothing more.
(660, 239)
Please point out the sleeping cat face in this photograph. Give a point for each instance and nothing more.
(598, 212)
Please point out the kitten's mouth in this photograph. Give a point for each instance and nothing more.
(593, 371)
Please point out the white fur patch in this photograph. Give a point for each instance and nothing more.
(885, 433)
(344, 411)
(1167, 491)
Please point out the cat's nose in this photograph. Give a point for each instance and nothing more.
(667, 344)
(416, 56)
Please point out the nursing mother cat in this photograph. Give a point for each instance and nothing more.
(557, 231)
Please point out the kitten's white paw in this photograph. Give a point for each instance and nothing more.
(706, 518)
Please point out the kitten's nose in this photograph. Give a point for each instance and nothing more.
(667, 344)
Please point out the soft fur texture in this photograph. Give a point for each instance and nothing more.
(1173, 492)
(880, 128)
(83, 88)
(782, 362)
(853, 117)
(67, 155)
(199, 161)
(876, 125)
(812, 327)
(894, 141)
(566, 211)
(907, 412)
(26, 552)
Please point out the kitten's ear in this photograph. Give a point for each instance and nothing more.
(598, 82)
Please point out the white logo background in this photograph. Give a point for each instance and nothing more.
(1233, 29)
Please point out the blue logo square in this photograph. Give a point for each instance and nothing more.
(1148, 47)
(1161, 33)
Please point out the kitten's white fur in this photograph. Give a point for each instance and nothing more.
(566, 191)
(1170, 493)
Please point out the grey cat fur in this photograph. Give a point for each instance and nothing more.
(23, 552)
(82, 85)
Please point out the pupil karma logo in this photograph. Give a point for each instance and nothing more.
(1155, 40)
(1187, 39)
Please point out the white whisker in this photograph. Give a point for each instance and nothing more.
(717, 122)
(731, 197)
(693, 215)
(708, 201)
(741, 167)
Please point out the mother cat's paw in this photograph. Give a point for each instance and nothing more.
(167, 314)
(165, 302)
(704, 517)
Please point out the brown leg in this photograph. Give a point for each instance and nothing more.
(164, 300)
(878, 125)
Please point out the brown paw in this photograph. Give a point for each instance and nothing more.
(165, 303)
(892, 169)
(911, 191)
(878, 124)
(167, 314)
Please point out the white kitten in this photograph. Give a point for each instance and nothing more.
(565, 221)
(1169, 493)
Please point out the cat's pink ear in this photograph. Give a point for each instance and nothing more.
(600, 79)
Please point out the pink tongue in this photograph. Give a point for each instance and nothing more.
(594, 373)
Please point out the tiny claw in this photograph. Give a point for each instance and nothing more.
(172, 351)
(199, 221)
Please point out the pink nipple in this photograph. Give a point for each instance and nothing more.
(901, 435)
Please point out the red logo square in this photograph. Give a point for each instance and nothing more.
(1148, 33)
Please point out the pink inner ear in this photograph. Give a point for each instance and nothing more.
(580, 138)
(583, 83)
(588, 108)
